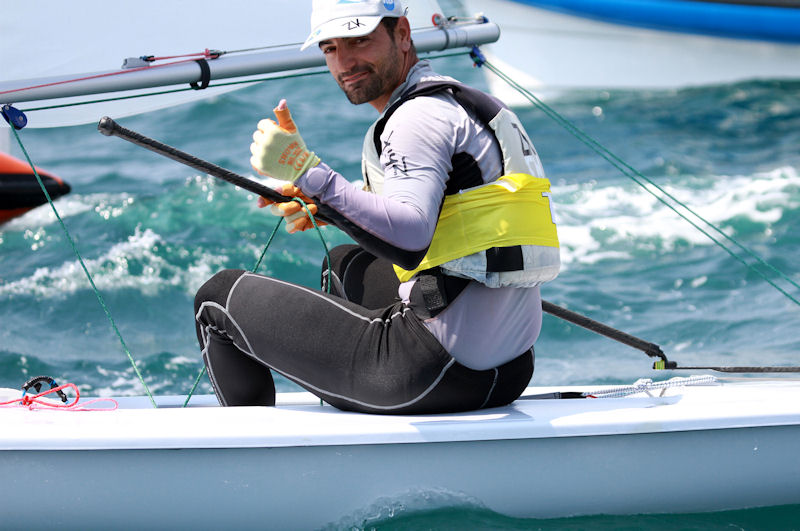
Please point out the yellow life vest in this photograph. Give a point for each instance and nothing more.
(513, 210)
(501, 233)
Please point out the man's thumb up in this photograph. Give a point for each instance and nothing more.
(278, 149)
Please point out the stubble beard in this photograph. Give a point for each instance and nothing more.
(380, 81)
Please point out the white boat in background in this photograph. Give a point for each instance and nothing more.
(554, 45)
(303, 465)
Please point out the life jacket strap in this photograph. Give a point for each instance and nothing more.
(433, 291)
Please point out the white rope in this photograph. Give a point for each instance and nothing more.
(646, 385)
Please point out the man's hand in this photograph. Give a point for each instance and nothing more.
(278, 149)
(293, 212)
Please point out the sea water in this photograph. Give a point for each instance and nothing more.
(151, 231)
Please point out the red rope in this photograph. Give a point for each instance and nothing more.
(207, 54)
(35, 402)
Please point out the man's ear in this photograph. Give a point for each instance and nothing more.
(404, 34)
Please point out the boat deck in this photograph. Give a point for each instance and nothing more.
(301, 420)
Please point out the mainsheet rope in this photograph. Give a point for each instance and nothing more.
(642, 180)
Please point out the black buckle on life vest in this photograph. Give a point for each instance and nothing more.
(433, 291)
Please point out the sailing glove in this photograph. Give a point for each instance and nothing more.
(297, 219)
(278, 149)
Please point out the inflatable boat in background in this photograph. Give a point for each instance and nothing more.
(19, 189)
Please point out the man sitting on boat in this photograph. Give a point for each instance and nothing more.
(437, 307)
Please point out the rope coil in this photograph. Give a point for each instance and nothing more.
(38, 401)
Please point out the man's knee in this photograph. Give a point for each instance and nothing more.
(217, 288)
(340, 256)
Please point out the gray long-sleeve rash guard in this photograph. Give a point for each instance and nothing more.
(484, 327)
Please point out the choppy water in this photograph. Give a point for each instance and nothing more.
(151, 231)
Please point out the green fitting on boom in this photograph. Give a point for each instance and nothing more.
(665, 365)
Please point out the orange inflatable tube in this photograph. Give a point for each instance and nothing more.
(19, 189)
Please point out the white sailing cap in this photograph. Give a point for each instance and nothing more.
(332, 19)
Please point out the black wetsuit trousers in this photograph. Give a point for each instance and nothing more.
(370, 353)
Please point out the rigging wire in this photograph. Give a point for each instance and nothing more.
(172, 91)
(99, 76)
(85, 269)
(645, 182)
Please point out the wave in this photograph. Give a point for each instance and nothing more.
(134, 263)
(167, 244)
(615, 221)
(105, 205)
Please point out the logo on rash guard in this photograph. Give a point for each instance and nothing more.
(398, 165)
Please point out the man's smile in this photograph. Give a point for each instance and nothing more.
(354, 77)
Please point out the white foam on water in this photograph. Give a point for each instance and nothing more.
(177, 361)
(597, 223)
(123, 385)
(111, 271)
(106, 205)
(385, 509)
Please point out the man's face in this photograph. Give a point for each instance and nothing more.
(367, 68)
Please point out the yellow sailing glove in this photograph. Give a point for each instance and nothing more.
(293, 212)
(278, 149)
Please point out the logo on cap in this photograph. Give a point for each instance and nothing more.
(389, 5)
(353, 24)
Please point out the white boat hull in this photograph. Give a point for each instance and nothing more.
(550, 52)
(303, 465)
(306, 488)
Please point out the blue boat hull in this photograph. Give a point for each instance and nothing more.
(767, 21)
